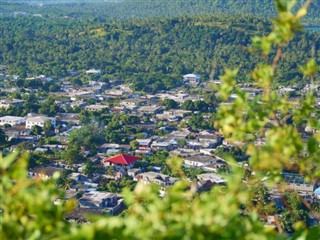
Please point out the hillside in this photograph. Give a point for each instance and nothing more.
(119, 9)
(144, 51)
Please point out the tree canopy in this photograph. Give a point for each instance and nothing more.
(182, 213)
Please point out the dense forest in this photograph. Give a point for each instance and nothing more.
(145, 51)
(117, 9)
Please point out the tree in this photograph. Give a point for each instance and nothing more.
(170, 104)
(89, 168)
(24, 146)
(47, 126)
(36, 129)
(89, 137)
(134, 144)
(182, 213)
(294, 211)
(181, 142)
(3, 137)
(73, 155)
(188, 105)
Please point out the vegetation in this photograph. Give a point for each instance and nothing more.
(100, 10)
(26, 212)
(151, 54)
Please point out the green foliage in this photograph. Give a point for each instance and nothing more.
(295, 211)
(233, 151)
(72, 155)
(3, 137)
(27, 210)
(169, 104)
(125, 51)
(89, 137)
(36, 129)
(26, 205)
(117, 186)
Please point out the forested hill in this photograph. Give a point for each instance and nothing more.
(144, 51)
(119, 9)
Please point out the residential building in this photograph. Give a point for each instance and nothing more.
(121, 160)
(198, 160)
(6, 103)
(101, 200)
(93, 71)
(192, 79)
(150, 109)
(12, 120)
(212, 177)
(157, 178)
(95, 107)
(39, 121)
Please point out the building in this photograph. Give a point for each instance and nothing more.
(150, 109)
(121, 159)
(199, 160)
(212, 177)
(93, 71)
(157, 178)
(95, 108)
(192, 79)
(6, 103)
(109, 202)
(12, 120)
(39, 121)
(296, 182)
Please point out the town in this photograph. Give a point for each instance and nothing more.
(102, 136)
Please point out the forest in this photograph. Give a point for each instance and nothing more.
(119, 9)
(151, 53)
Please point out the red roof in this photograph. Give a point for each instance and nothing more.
(122, 159)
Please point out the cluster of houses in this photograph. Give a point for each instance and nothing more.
(195, 148)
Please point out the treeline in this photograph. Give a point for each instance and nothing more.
(152, 54)
(102, 10)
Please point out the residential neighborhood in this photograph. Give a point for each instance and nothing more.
(102, 136)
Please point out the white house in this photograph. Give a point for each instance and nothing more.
(192, 79)
(93, 71)
(12, 120)
(39, 121)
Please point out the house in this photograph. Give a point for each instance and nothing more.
(115, 92)
(6, 103)
(219, 163)
(150, 109)
(121, 159)
(181, 134)
(96, 107)
(98, 200)
(113, 147)
(212, 177)
(296, 182)
(167, 117)
(192, 79)
(144, 144)
(93, 71)
(198, 160)
(39, 121)
(178, 112)
(12, 120)
(78, 177)
(157, 178)
(133, 102)
(44, 173)
(133, 172)
(161, 145)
